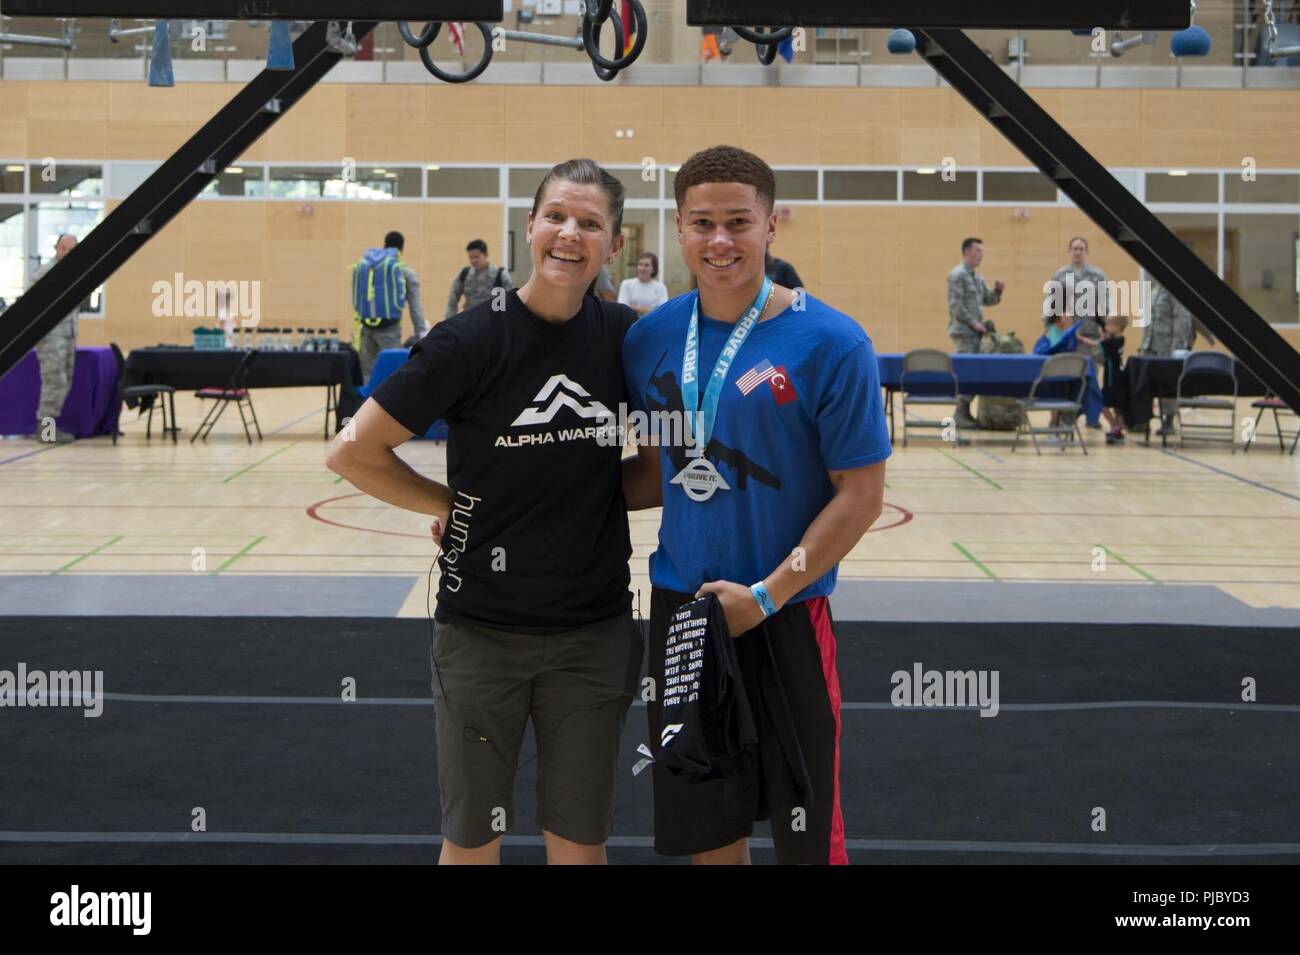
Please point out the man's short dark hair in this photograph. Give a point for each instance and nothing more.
(726, 164)
(477, 245)
(967, 243)
(394, 240)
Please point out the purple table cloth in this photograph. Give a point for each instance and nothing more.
(90, 409)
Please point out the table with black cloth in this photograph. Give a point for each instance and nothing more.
(91, 407)
(1147, 377)
(190, 369)
(1002, 376)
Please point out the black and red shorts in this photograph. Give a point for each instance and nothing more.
(798, 646)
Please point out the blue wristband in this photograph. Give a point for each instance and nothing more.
(759, 590)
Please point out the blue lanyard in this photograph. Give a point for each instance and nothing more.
(690, 367)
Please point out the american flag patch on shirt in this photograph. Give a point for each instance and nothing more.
(755, 376)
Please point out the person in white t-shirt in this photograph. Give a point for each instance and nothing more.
(644, 293)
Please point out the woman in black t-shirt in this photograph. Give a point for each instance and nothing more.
(533, 615)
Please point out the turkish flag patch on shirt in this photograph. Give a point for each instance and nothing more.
(782, 387)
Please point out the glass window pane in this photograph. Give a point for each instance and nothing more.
(68, 180)
(1262, 263)
(932, 187)
(634, 187)
(1018, 187)
(1267, 187)
(13, 253)
(237, 181)
(464, 183)
(55, 218)
(861, 185)
(524, 183)
(11, 177)
(1196, 187)
(795, 184)
(1199, 232)
(126, 177)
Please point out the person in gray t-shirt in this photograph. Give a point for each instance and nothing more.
(477, 281)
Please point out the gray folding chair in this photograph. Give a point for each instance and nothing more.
(931, 370)
(1208, 363)
(1071, 372)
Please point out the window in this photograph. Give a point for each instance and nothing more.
(1267, 187)
(67, 180)
(237, 181)
(930, 186)
(11, 177)
(1018, 187)
(795, 184)
(327, 182)
(855, 185)
(1177, 186)
(463, 183)
(634, 186)
(524, 182)
(1262, 263)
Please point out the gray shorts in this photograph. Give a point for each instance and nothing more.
(576, 686)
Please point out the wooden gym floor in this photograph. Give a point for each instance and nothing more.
(1129, 515)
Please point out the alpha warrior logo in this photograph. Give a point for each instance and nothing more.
(558, 393)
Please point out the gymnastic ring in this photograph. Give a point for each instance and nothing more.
(427, 35)
(598, 11)
(601, 72)
(461, 77)
(764, 39)
(591, 36)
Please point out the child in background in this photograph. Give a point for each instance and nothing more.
(1112, 387)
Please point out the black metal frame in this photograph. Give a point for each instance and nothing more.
(235, 391)
(488, 11)
(142, 214)
(1119, 213)
(1022, 14)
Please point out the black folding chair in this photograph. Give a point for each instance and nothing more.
(154, 393)
(1270, 402)
(1058, 371)
(236, 392)
(1219, 365)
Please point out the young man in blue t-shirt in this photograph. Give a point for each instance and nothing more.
(783, 393)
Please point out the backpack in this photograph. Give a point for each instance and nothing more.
(464, 274)
(999, 414)
(378, 288)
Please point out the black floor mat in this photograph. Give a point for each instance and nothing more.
(919, 785)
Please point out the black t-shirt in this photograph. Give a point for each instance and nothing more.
(537, 540)
(783, 273)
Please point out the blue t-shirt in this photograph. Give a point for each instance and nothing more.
(802, 397)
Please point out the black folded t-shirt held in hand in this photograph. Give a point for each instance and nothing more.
(708, 729)
(537, 540)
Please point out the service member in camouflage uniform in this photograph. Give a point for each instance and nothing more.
(477, 281)
(57, 354)
(1090, 308)
(1170, 328)
(968, 293)
(376, 338)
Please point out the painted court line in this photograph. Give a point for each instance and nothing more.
(1131, 566)
(1235, 477)
(245, 470)
(1210, 850)
(234, 557)
(89, 553)
(972, 470)
(974, 560)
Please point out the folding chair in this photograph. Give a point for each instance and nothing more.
(1270, 402)
(155, 394)
(1219, 365)
(1057, 372)
(934, 368)
(236, 392)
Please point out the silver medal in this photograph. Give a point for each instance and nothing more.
(700, 479)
